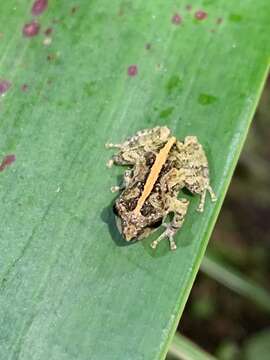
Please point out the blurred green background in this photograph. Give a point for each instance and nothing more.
(219, 320)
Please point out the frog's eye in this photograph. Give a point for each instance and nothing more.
(156, 224)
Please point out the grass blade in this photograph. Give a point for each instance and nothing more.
(235, 281)
(184, 349)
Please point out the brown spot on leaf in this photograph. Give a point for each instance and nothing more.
(39, 7)
(176, 19)
(7, 161)
(74, 9)
(219, 21)
(4, 86)
(31, 29)
(48, 31)
(200, 15)
(132, 70)
(24, 87)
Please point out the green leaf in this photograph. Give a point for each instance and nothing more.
(68, 289)
(235, 281)
(184, 349)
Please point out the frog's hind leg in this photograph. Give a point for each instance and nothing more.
(197, 182)
(203, 196)
(202, 191)
(179, 208)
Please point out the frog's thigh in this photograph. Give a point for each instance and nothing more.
(199, 184)
(172, 178)
(178, 206)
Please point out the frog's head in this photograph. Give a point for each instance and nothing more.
(127, 226)
(128, 230)
(133, 227)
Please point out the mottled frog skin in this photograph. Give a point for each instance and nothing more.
(159, 166)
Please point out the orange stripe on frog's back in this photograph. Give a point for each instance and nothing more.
(154, 173)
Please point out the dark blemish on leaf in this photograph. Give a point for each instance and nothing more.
(51, 57)
(132, 70)
(200, 15)
(39, 7)
(48, 31)
(235, 18)
(24, 87)
(56, 21)
(176, 19)
(31, 29)
(148, 46)
(120, 12)
(174, 84)
(219, 21)
(7, 161)
(4, 86)
(89, 88)
(166, 112)
(189, 7)
(74, 9)
(207, 99)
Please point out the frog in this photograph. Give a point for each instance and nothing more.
(159, 167)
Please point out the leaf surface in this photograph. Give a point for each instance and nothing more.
(69, 289)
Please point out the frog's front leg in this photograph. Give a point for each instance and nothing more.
(135, 147)
(143, 137)
(128, 175)
(179, 208)
(127, 157)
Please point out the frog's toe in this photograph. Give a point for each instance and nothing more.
(110, 163)
(154, 244)
(172, 244)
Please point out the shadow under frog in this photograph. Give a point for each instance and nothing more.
(108, 217)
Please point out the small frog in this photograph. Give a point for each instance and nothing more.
(159, 166)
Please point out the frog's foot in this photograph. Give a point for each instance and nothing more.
(203, 195)
(115, 189)
(111, 146)
(110, 163)
(179, 208)
(212, 194)
(168, 233)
